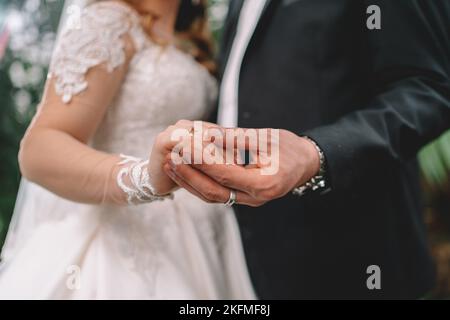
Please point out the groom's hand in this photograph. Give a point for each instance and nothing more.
(255, 184)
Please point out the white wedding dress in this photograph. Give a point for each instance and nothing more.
(172, 249)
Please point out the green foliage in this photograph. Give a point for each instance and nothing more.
(22, 74)
(435, 161)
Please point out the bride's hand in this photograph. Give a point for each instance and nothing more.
(163, 146)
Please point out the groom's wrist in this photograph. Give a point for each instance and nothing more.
(317, 182)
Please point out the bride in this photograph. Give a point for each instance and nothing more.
(95, 217)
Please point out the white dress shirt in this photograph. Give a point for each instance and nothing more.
(228, 102)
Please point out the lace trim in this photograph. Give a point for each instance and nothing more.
(97, 40)
(140, 189)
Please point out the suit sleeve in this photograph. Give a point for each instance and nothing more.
(411, 107)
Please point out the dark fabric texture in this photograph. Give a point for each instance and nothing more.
(370, 99)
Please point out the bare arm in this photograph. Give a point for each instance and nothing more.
(87, 71)
(54, 152)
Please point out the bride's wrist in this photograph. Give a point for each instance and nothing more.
(133, 179)
(165, 191)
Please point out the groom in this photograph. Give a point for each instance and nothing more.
(359, 87)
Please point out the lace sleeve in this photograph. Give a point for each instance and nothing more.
(134, 180)
(96, 40)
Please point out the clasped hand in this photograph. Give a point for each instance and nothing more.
(207, 161)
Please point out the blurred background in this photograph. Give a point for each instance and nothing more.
(27, 35)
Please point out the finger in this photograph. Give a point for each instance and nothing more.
(203, 184)
(188, 139)
(209, 188)
(233, 141)
(244, 138)
(179, 181)
(233, 176)
(215, 151)
(259, 144)
(177, 135)
(239, 178)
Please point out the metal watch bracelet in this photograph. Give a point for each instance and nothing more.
(318, 181)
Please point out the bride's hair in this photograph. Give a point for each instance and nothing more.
(193, 31)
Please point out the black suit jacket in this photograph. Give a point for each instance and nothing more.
(371, 99)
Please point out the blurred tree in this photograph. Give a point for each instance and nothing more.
(30, 26)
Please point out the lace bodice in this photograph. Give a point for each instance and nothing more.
(162, 84)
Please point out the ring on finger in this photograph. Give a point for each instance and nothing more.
(232, 199)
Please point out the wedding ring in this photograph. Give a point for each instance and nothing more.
(232, 200)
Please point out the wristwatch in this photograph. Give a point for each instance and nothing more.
(318, 182)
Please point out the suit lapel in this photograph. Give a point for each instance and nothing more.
(233, 18)
(229, 32)
(231, 22)
(266, 6)
(268, 10)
